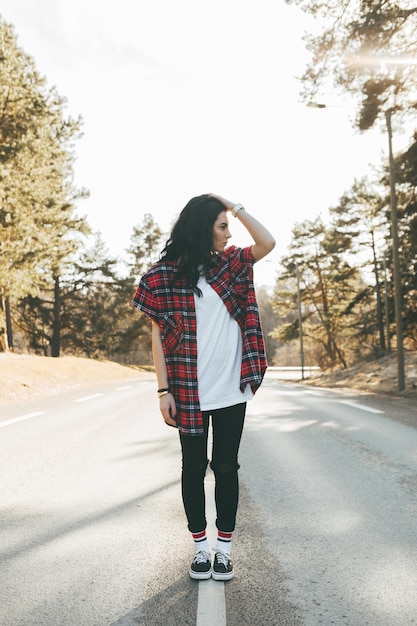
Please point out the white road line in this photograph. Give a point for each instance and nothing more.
(211, 603)
(85, 398)
(211, 608)
(21, 418)
(123, 388)
(361, 406)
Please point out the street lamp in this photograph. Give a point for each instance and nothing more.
(395, 251)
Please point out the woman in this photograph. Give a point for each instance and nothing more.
(209, 357)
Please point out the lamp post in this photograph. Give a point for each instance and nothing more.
(395, 251)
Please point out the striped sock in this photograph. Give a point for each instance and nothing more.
(201, 541)
(224, 542)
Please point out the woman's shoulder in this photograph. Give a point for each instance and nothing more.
(161, 271)
(243, 255)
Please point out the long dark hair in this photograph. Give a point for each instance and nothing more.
(191, 238)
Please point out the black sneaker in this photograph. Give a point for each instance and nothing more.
(222, 567)
(200, 568)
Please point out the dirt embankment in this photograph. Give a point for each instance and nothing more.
(377, 376)
(24, 376)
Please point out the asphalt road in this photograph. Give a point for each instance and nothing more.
(93, 532)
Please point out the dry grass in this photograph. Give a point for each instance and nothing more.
(377, 376)
(25, 376)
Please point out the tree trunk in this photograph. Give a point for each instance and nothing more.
(331, 345)
(56, 330)
(4, 330)
(380, 318)
(4, 340)
(9, 328)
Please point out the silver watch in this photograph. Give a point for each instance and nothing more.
(237, 208)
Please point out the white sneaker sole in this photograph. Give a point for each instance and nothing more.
(225, 576)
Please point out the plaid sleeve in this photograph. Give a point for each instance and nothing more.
(240, 262)
(246, 255)
(145, 301)
(239, 256)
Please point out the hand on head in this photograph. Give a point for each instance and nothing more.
(227, 203)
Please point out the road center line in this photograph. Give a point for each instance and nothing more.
(21, 418)
(361, 406)
(85, 398)
(211, 603)
(211, 607)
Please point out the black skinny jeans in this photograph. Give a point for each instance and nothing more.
(227, 425)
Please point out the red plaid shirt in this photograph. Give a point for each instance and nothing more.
(170, 303)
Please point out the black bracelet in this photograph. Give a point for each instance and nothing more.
(163, 389)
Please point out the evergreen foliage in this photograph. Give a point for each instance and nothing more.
(367, 49)
(56, 292)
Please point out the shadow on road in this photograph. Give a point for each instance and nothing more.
(166, 608)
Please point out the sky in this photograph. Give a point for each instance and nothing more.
(189, 97)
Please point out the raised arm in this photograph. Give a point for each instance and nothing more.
(264, 241)
(167, 401)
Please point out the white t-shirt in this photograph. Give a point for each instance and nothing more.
(219, 352)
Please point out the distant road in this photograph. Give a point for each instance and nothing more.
(93, 531)
(291, 372)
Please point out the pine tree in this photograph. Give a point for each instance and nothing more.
(366, 48)
(38, 224)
